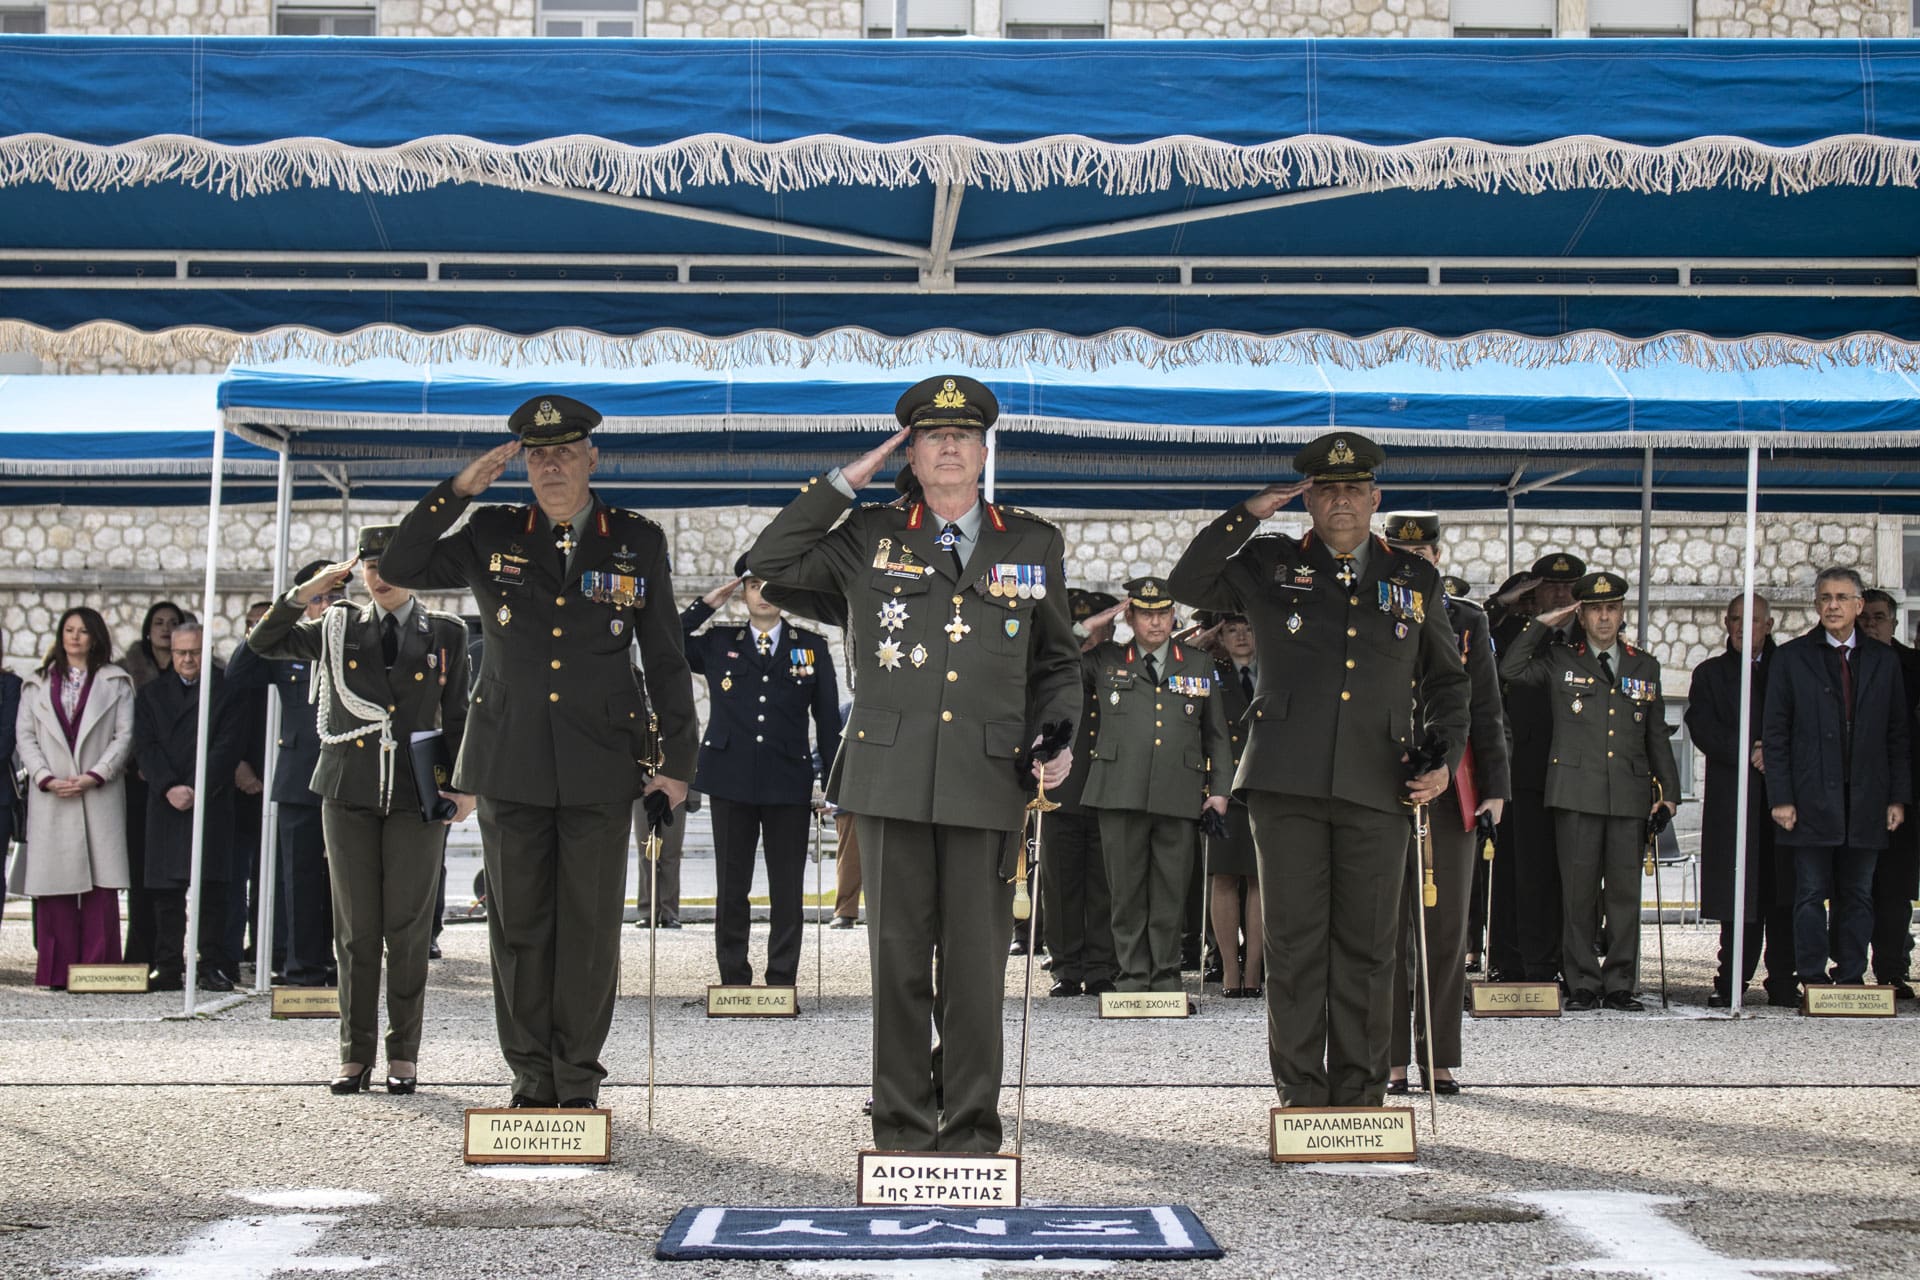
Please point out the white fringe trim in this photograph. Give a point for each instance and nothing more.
(108, 339)
(589, 163)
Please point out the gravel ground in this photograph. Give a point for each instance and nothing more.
(129, 1134)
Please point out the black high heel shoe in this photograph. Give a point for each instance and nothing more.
(402, 1084)
(344, 1084)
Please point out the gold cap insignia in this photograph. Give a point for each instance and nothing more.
(1149, 592)
(949, 397)
(1410, 531)
(1560, 565)
(1340, 455)
(546, 415)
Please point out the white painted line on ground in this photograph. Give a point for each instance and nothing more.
(1356, 1169)
(942, 1268)
(308, 1198)
(243, 1249)
(533, 1172)
(1635, 1238)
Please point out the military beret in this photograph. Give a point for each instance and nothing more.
(1149, 593)
(947, 400)
(1340, 455)
(1411, 528)
(548, 420)
(1559, 566)
(1083, 604)
(374, 539)
(1600, 588)
(1456, 588)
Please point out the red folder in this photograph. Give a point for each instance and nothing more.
(1469, 789)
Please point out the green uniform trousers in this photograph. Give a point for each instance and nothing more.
(1600, 862)
(1331, 875)
(1149, 866)
(1455, 862)
(937, 894)
(385, 873)
(556, 894)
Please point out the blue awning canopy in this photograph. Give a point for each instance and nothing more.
(123, 441)
(1130, 436)
(1724, 203)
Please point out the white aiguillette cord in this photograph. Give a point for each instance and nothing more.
(331, 684)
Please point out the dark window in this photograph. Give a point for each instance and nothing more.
(1070, 31)
(324, 22)
(23, 22)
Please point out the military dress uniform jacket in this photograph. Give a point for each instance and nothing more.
(1528, 711)
(1492, 771)
(557, 716)
(1610, 742)
(426, 688)
(952, 679)
(1155, 748)
(299, 740)
(1335, 705)
(754, 750)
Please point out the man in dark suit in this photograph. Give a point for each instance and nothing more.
(166, 741)
(558, 744)
(1526, 929)
(1358, 670)
(959, 618)
(1836, 746)
(249, 807)
(766, 678)
(1713, 721)
(302, 850)
(1896, 873)
(1609, 751)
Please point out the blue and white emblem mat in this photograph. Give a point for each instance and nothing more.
(1157, 1231)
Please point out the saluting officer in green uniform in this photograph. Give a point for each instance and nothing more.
(387, 669)
(1358, 667)
(1159, 758)
(557, 744)
(1609, 750)
(962, 648)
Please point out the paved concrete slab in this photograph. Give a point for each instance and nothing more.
(141, 1144)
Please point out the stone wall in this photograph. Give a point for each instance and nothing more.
(121, 560)
(843, 19)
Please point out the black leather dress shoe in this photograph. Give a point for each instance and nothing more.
(579, 1104)
(1783, 997)
(1901, 991)
(841, 922)
(1099, 986)
(1064, 988)
(1720, 1000)
(1445, 1087)
(214, 980)
(522, 1100)
(165, 980)
(1623, 1001)
(1019, 945)
(1582, 1002)
(1397, 1088)
(433, 951)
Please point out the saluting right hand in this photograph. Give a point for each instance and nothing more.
(484, 470)
(1558, 617)
(329, 580)
(721, 594)
(1518, 589)
(1275, 496)
(860, 472)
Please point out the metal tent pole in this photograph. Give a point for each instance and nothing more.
(190, 977)
(1736, 987)
(1646, 542)
(269, 811)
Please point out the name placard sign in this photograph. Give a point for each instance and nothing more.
(1144, 1004)
(1846, 1002)
(306, 1002)
(1315, 1135)
(753, 1002)
(539, 1135)
(939, 1179)
(1516, 999)
(106, 979)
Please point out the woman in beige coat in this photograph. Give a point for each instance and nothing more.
(74, 735)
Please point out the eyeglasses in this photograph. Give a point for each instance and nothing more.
(1827, 600)
(186, 653)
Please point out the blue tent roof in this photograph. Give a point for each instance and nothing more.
(729, 201)
(122, 441)
(1131, 436)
